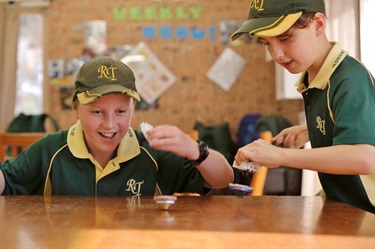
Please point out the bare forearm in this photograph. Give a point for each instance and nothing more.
(2, 182)
(216, 170)
(340, 159)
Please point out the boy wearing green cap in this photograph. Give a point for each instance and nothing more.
(102, 155)
(339, 97)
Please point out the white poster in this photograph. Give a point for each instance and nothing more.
(95, 36)
(226, 69)
(151, 76)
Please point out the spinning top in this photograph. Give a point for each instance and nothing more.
(165, 201)
(247, 166)
(145, 127)
(240, 190)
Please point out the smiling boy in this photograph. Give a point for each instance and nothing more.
(102, 155)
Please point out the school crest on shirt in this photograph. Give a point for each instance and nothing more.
(134, 186)
(321, 125)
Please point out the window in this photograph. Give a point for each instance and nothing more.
(367, 37)
(29, 95)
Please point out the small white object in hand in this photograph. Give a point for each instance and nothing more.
(145, 127)
(247, 166)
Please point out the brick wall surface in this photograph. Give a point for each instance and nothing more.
(193, 97)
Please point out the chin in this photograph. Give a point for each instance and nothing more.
(294, 71)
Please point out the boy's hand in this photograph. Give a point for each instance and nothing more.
(293, 137)
(172, 139)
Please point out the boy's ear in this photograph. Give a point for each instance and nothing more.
(75, 111)
(320, 23)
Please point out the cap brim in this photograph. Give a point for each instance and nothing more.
(88, 97)
(267, 26)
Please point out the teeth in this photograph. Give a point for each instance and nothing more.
(107, 134)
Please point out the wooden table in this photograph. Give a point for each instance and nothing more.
(193, 222)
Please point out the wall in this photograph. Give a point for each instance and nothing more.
(193, 97)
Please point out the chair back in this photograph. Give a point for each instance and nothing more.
(12, 143)
(258, 179)
(194, 134)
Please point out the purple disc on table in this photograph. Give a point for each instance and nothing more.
(240, 190)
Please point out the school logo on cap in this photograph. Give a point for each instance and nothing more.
(269, 18)
(257, 4)
(107, 72)
(101, 76)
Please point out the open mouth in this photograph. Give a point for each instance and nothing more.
(287, 64)
(107, 135)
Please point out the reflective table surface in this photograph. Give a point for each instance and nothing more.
(192, 222)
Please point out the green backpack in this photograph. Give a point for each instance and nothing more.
(31, 123)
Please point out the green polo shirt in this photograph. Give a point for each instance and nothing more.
(340, 109)
(60, 164)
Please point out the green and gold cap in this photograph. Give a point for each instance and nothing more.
(101, 76)
(269, 18)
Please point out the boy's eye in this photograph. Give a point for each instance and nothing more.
(121, 111)
(264, 42)
(96, 112)
(284, 37)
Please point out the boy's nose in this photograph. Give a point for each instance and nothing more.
(108, 121)
(276, 52)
